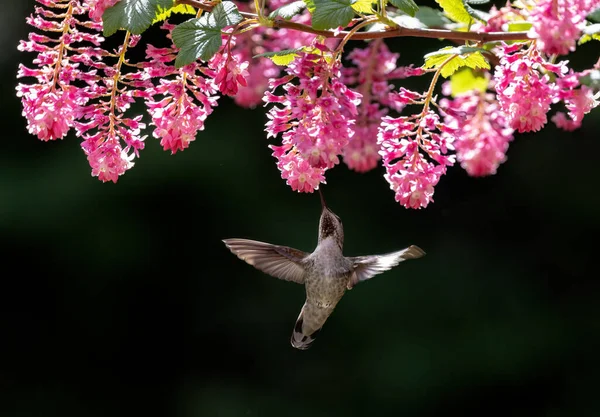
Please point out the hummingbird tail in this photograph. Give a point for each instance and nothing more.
(308, 326)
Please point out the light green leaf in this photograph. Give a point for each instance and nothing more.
(283, 57)
(310, 5)
(465, 80)
(591, 32)
(464, 56)
(363, 6)
(329, 14)
(133, 15)
(164, 14)
(407, 6)
(431, 18)
(519, 26)
(288, 11)
(460, 11)
(455, 10)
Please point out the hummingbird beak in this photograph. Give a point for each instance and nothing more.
(323, 204)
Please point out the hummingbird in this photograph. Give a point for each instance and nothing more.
(326, 273)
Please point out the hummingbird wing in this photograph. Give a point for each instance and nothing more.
(278, 261)
(366, 267)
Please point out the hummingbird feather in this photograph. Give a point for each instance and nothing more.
(366, 267)
(279, 261)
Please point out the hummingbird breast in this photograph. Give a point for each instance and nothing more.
(327, 274)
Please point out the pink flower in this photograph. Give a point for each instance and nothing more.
(188, 98)
(410, 175)
(316, 119)
(97, 7)
(557, 24)
(524, 94)
(49, 114)
(482, 132)
(579, 101)
(230, 73)
(107, 159)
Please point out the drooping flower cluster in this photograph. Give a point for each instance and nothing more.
(52, 104)
(315, 115)
(322, 110)
(524, 88)
(77, 87)
(481, 130)
(414, 150)
(557, 24)
(375, 68)
(177, 116)
(579, 100)
(261, 40)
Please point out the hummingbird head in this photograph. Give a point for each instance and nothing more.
(330, 225)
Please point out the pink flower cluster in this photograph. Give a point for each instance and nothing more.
(415, 152)
(557, 24)
(94, 100)
(523, 86)
(315, 115)
(375, 66)
(188, 98)
(481, 129)
(579, 100)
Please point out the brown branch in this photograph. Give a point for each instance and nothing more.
(390, 33)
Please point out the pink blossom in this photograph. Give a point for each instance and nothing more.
(410, 175)
(97, 7)
(482, 132)
(374, 69)
(557, 24)
(230, 73)
(316, 117)
(49, 114)
(524, 94)
(579, 100)
(188, 98)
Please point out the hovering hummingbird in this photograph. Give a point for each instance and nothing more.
(326, 273)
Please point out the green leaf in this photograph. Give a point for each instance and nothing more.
(133, 15)
(431, 18)
(465, 80)
(464, 56)
(164, 14)
(310, 5)
(594, 16)
(407, 6)
(283, 57)
(226, 14)
(591, 79)
(519, 26)
(460, 11)
(196, 38)
(201, 37)
(329, 14)
(363, 6)
(288, 11)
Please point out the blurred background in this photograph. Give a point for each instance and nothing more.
(121, 300)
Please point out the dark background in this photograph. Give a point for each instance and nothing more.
(121, 300)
